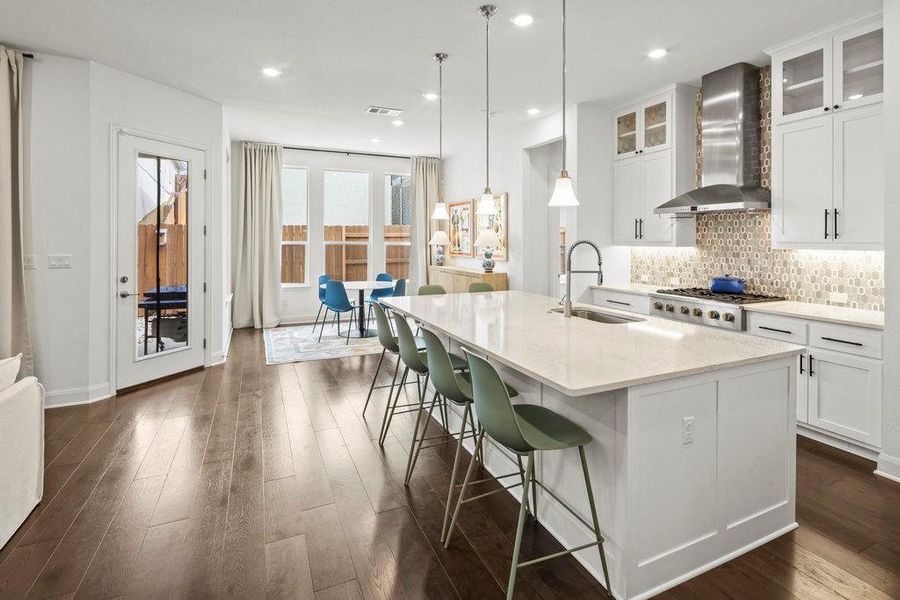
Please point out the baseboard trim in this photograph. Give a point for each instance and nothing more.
(836, 442)
(76, 396)
(888, 467)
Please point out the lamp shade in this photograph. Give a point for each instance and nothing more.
(440, 238)
(486, 204)
(563, 192)
(487, 238)
(440, 212)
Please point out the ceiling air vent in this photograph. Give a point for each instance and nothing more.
(381, 110)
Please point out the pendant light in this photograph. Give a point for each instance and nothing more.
(486, 204)
(563, 193)
(440, 207)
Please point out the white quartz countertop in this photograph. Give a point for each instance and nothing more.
(820, 312)
(644, 289)
(577, 356)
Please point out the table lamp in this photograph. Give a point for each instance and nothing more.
(439, 239)
(488, 241)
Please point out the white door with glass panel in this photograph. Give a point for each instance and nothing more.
(160, 259)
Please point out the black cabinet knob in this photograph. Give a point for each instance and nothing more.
(827, 109)
(837, 106)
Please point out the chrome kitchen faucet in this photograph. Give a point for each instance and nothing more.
(568, 297)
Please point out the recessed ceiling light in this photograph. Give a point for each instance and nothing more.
(854, 97)
(375, 140)
(271, 72)
(533, 111)
(657, 53)
(397, 123)
(522, 20)
(430, 96)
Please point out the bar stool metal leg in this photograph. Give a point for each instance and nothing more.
(416, 445)
(529, 473)
(462, 431)
(374, 379)
(590, 494)
(462, 491)
(391, 407)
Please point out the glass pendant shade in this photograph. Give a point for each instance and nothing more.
(486, 204)
(563, 192)
(440, 212)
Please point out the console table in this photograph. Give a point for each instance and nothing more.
(456, 280)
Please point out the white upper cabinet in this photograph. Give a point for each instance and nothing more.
(834, 70)
(827, 139)
(655, 160)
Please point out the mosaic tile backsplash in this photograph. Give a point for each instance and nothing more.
(740, 244)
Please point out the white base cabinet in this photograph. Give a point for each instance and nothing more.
(839, 389)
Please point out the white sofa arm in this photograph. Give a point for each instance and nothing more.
(21, 453)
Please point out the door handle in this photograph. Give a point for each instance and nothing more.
(835, 224)
(826, 223)
(126, 294)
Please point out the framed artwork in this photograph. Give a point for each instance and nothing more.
(498, 224)
(461, 240)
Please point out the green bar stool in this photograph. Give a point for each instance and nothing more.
(388, 344)
(416, 361)
(431, 290)
(457, 388)
(480, 286)
(524, 429)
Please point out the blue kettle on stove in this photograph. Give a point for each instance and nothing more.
(727, 285)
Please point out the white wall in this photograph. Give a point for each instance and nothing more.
(301, 302)
(74, 105)
(517, 168)
(59, 162)
(889, 461)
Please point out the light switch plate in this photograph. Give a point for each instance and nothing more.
(59, 261)
(29, 261)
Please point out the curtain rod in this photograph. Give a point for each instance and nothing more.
(347, 152)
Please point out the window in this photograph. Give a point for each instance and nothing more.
(397, 221)
(294, 225)
(347, 225)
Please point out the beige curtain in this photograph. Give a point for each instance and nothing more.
(14, 336)
(426, 181)
(257, 274)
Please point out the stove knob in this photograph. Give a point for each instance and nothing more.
(728, 317)
(670, 308)
(713, 314)
(657, 305)
(697, 312)
(685, 310)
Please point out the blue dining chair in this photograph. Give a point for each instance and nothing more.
(336, 301)
(399, 288)
(321, 290)
(377, 294)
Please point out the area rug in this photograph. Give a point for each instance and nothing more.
(298, 344)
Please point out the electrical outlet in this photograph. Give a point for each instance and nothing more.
(687, 431)
(59, 261)
(29, 261)
(838, 297)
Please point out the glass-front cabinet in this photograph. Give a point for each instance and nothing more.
(643, 128)
(835, 72)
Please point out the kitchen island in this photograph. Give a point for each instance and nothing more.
(693, 459)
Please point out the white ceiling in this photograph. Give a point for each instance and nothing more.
(339, 56)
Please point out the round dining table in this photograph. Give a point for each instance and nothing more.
(361, 287)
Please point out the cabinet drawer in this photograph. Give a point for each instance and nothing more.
(841, 338)
(636, 303)
(775, 327)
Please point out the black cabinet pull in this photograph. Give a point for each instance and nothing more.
(635, 229)
(777, 330)
(618, 302)
(801, 364)
(641, 228)
(826, 223)
(811, 359)
(831, 339)
(835, 224)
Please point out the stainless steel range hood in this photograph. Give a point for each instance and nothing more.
(729, 135)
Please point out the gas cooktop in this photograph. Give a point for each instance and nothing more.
(707, 294)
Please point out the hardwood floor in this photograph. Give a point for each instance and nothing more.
(252, 481)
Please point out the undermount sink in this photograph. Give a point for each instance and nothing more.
(599, 316)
